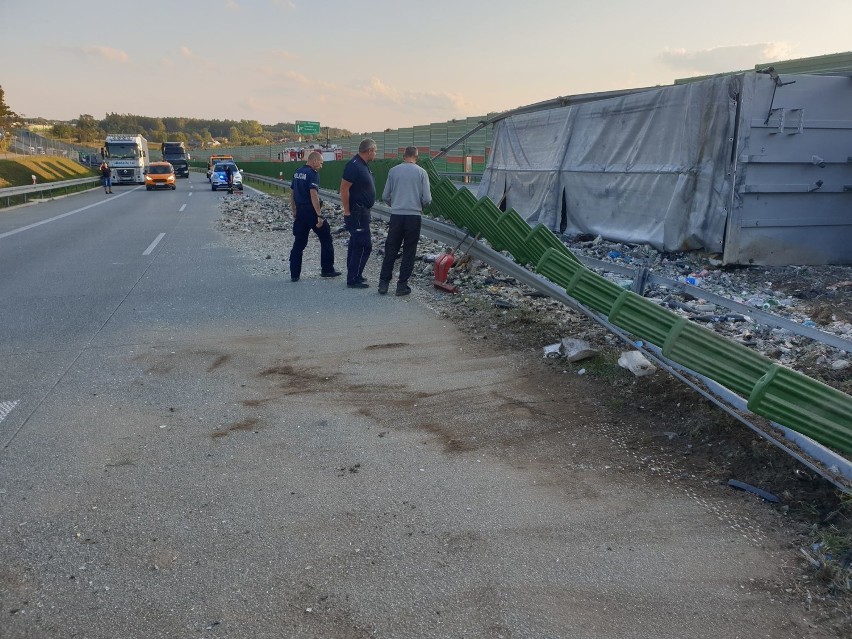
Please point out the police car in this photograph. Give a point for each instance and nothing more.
(219, 176)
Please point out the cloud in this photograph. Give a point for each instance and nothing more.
(106, 53)
(290, 94)
(721, 59)
(187, 54)
(377, 90)
(282, 54)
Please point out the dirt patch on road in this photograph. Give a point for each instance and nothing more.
(655, 421)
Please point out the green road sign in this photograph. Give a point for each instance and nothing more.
(307, 128)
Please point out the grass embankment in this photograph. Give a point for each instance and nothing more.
(19, 172)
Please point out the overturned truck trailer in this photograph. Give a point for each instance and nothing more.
(753, 166)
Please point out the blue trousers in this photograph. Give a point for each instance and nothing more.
(302, 226)
(360, 244)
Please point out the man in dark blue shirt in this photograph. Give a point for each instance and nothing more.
(358, 194)
(307, 215)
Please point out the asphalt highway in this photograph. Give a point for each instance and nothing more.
(191, 450)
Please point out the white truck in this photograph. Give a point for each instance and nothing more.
(126, 155)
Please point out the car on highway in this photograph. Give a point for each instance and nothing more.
(216, 159)
(159, 175)
(219, 176)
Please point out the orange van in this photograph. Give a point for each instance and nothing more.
(159, 175)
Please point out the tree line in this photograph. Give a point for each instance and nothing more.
(194, 132)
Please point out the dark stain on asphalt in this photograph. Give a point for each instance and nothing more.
(219, 361)
(451, 442)
(247, 424)
(374, 347)
(255, 402)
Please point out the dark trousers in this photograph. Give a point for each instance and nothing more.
(360, 244)
(404, 231)
(302, 226)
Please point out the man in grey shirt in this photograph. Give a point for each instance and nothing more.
(407, 192)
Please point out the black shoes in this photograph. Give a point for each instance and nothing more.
(294, 279)
(358, 285)
(383, 287)
(330, 274)
(402, 289)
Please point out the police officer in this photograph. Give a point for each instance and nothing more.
(357, 195)
(307, 216)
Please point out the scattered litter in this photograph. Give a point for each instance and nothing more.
(811, 560)
(552, 351)
(582, 371)
(636, 363)
(734, 483)
(575, 350)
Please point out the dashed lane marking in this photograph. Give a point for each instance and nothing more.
(153, 244)
(6, 408)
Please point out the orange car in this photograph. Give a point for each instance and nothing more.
(160, 175)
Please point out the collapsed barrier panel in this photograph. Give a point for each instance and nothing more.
(782, 395)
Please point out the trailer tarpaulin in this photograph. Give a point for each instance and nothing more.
(647, 168)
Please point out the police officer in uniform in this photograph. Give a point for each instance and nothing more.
(307, 216)
(357, 195)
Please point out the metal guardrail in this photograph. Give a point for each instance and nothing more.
(29, 189)
(641, 278)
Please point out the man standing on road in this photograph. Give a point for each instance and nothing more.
(357, 195)
(106, 176)
(407, 191)
(307, 216)
(229, 175)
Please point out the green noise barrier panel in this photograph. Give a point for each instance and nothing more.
(558, 267)
(732, 365)
(429, 166)
(643, 318)
(805, 405)
(594, 291)
(487, 214)
(462, 204)
(775, 392)
(542, 238)
(442, 196)
(512, 230)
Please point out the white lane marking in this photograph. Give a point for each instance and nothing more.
(153, 244)
(6, 408)
(58, 217)
(180, 210)
(190, 194)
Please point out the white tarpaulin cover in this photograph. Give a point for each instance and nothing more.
(650, 167)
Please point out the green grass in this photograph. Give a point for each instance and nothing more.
(19, 172)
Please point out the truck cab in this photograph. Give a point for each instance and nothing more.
(175, 154)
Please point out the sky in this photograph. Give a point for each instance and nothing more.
(369, 65)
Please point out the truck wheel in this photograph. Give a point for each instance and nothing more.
(213, 188)
(147, 188)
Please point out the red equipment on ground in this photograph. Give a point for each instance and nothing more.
(443, 264)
